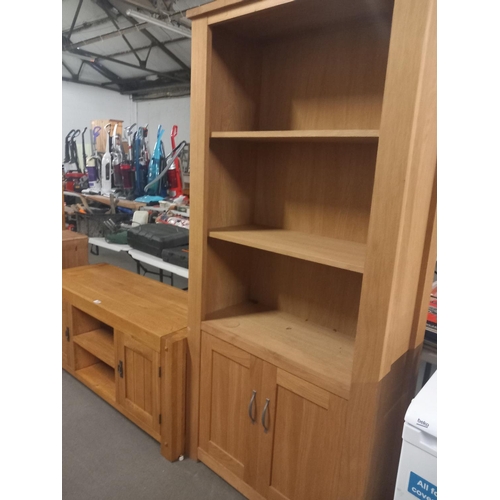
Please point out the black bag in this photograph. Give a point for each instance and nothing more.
(178, 256)
(153, 238)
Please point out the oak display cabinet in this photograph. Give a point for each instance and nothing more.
(313, 162)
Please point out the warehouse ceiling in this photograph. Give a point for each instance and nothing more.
(108, 44)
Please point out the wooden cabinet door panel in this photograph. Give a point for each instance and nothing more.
(227, 383)
(138, 385)
(66, 336)
(307, 441)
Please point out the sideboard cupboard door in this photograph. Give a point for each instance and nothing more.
(138, 380)
(229, 377)
(307, 441)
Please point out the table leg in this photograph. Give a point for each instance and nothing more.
(138, 267)
(161, 275)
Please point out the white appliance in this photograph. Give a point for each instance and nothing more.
(417, 473)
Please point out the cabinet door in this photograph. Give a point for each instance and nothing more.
(138, 380)
(228, 378)
(307, 443)
(66, 336)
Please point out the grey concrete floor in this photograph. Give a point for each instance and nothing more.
(107, 457)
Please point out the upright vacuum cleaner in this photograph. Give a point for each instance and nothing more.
(141, 160)
(74, 151)
(93, 171)
(155, 164)
(116, 159)
(84, 154)
(174, 174)
(128, 160)
(106, 182)
(169, 160)
(67, 156)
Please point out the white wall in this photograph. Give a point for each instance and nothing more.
(81, 104)
(165, 112)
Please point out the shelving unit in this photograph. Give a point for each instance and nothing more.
(313, 165)
(99, 343)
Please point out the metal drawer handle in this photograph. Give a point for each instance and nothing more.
(250, 407)
(263, 418)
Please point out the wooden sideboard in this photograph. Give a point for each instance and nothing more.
(124, 337)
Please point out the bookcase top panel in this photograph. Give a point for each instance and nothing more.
(263, 19)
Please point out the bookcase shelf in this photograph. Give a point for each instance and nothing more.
(332, 252)
(300, 135)
(320, 355)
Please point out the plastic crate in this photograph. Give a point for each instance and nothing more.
(93, 224)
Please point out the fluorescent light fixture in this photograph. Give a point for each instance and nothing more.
(151, 20)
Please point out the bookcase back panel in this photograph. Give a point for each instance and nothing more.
(321, 79)
(323, 295)
(235, 82)
(331, 79)
(227, 277)
(231, 184)
(316, 188)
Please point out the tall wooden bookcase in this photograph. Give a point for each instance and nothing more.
(313, 162)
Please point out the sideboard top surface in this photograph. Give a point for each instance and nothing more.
(126, 300)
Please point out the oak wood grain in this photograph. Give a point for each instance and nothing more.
(300, 135)
(126, 301)
(99, 343)
(316, 354)
(328, 251)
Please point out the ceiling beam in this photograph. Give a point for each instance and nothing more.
(106, 36)
(86, 25)
(97, 57)
(142, 63)
(66, 79)
(177, 15)
(156, 88)
(107, 73)
(75, 17)
(73, 75)
(150, 46)
(152, 38)
(179, 77)
(169, 53)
